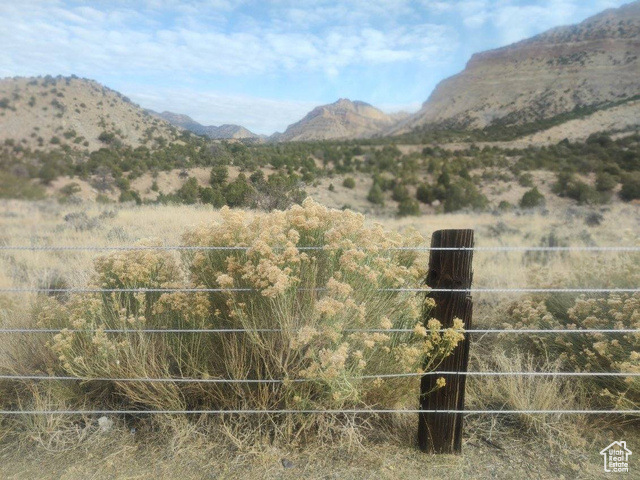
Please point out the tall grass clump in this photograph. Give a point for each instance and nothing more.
(521, 392)
(588, 352)
(302, 287)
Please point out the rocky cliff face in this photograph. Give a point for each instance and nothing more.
(594, 62)
(42, 113)
(340, 120)
(222, 132)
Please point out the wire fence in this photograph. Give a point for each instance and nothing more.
(363, 411)
(311, 380)
(353, 330)
(268, 381)
(497, 248)
(390, 290)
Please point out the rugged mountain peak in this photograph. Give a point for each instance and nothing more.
(341, 119)
(225, 131)
(591, 63)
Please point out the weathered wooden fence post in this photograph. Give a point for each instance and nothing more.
(448, 269)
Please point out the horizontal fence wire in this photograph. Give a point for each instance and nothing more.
(313, 411)
(408, 290)
(312, 248)
(311, 380)
(280, 330)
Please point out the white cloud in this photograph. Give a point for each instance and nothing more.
(48, 38)
(515, 20)
(519, 22)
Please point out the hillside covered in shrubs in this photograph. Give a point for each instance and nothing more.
(274, 176)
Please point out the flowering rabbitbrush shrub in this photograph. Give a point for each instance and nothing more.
(301, 316)
(589, 352)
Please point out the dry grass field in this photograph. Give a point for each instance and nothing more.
(50, 223)
(495, 446)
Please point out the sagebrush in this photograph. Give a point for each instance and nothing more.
(301, 285)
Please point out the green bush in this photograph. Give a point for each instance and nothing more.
(526, 180)
(593, 219)
(375, 195)
(582, 193)
(630, 187)
(219, 175)
(12, 186)
(70, 189)
(605, 182)
(107, 137)
(213, 196)
(238, 192)
(130, 196)
(257, 177)
(48, 173)
(189, 192)
(563, 181)
(349, 183)
(280, 191)
(444, 179)
(505, 206)
(568, 186)
(408, 206)
(630, 161)
(123, 183)
(425, 193)
(532, 199)
(601, 139)
(400, 193)
(462, 194)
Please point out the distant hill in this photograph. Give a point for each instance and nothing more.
(592, 63)
(44, 113)
(222, 132)
(340, 120)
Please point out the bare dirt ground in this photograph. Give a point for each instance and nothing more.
(489, 452)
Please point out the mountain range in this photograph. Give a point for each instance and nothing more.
(223, 131)
(588, 68)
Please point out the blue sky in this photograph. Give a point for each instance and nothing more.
(265, 64)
